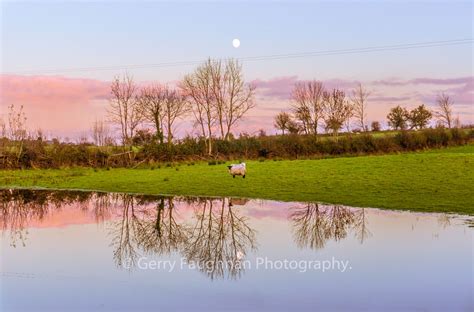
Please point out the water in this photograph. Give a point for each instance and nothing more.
(97, 251)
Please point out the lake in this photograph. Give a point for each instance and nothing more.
(71, 250)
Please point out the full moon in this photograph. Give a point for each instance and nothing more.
(236, 43)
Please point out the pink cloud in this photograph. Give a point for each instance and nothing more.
(68, 106)
(390, 98)
(55, 103)
(428, 81)
(279, 87)
(39, 88)
(463, 94)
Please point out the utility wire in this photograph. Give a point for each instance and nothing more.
(396, 47)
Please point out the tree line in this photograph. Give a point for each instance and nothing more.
(215, 94)
(216, 97)
(314, 107)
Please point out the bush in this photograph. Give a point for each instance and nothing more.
(39, 154)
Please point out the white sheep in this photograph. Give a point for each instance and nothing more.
(237, 169)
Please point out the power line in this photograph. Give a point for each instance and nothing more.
(395, 47)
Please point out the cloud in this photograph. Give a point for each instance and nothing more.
(390, 98)
(427, 81)
(279, 87)
(463, 94)
(68, 106)
(55, 103)
(54, 88)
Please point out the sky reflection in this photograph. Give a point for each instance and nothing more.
(94, 250)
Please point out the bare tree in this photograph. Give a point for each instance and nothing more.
(197, 87)
(124, 107)
(359, 104)
(336, 110)
(308, 104)
(219, 97)
(282, 121)
(151, 102)
(175, 107)
(100, 132)
(457, 122)
(17, 124)
(233, 97)
(445, 111)
(17, 131)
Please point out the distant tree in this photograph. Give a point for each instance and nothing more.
(175, 107)
(142, 137)
(359, 104)
(262, 133)
(233, 97)
(83, 139)
(17, 124)
(336, 110)
(17, 131)
(151, 102)
(398, 117)
(308, 105)
(282, 121)
(457, 122)
(100, 132)
(293, 127)
(375, 126)
(198, 89)
(40, 136)
(419, 117)
(445, 111)
(124, 109)
(350, 114)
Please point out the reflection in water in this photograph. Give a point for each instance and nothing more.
(215, 234)
(20, 207)
(314, 224)
(147, 224)
(219, 239)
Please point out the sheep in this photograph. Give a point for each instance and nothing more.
(237, 169)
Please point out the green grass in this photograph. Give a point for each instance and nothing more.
(436, 180)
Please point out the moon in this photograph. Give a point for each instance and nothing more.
(236, 43)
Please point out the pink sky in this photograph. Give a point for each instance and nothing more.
(67, 107)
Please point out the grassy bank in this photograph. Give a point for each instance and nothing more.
(436, 180)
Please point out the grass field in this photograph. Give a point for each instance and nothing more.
(436, 180)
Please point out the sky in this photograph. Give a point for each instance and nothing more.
(58, 57)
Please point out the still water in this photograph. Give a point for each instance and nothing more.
(104, 251)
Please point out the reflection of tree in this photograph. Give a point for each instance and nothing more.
(444, 220)
(340, 219)
(360, 224)
(309, 226)
(315, 224)
(123, 234)
(20, 207)
(163, 234)
(143, 228)
(219, 240)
